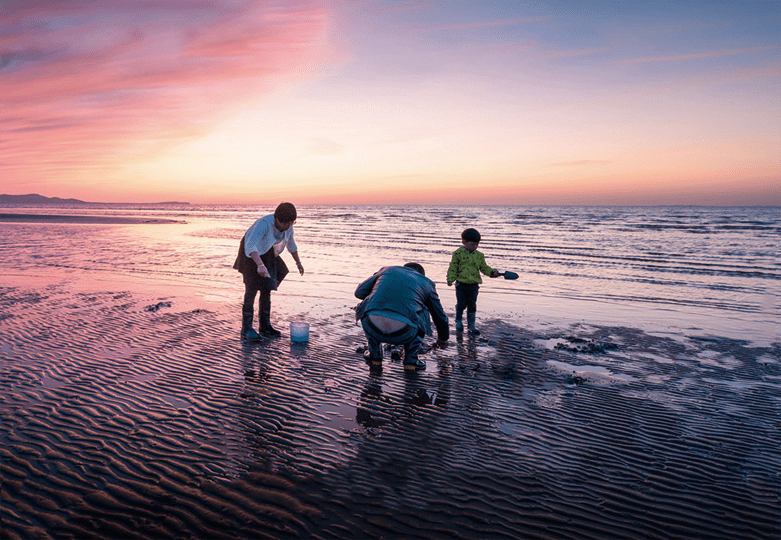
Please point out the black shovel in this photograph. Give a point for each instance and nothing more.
(509, 275)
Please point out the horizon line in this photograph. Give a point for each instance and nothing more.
(60, 200)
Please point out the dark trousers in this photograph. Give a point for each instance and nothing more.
(254, 283)
(466, 297)
(409, 336)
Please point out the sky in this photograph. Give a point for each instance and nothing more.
(383, 102)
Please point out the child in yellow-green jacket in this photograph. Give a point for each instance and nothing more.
(465, 267)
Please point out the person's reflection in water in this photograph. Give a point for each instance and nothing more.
(467, 367)
(369, 412)
(256, 375)
(466, 347)
(375, 409)
(254, 367)
(418, 393)
(407, 434)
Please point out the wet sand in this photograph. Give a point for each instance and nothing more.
(80, 219)
(128, 414)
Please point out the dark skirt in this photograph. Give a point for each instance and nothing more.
(277, 269)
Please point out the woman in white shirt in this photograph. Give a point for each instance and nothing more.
(263, 269)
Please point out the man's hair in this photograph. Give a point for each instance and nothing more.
(470, 235)
(416, 267)
(285, 213)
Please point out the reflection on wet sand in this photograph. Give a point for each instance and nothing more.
(175, 427)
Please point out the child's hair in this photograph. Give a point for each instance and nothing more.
(285, 212)
(416, 267)
(470, 235)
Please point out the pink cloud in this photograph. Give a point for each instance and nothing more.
(85, 82)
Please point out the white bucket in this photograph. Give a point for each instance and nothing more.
(299, 331)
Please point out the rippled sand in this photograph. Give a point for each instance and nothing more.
(128, 415)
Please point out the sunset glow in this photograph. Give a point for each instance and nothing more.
(497, 102)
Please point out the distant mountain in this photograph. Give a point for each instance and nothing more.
(34, 198)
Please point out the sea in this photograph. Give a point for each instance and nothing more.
(709, 271)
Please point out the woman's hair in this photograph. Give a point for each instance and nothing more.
(285, 213)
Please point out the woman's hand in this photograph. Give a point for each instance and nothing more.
(300, 267)
(263, 271)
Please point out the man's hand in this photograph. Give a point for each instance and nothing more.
(300, 268)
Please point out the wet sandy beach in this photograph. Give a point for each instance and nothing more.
(130, 415)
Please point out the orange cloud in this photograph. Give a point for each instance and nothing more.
(581, 163)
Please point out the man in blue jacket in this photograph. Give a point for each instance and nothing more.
(397, 301)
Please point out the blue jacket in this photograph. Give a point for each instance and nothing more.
(403, 291)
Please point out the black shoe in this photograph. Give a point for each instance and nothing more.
(414, 363)
(250, 335)
(270, 331)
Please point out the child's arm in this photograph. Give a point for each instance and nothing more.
(487, 270)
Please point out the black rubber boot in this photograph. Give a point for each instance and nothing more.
(265, 315)
(246, 327)
(470, 319)
(246, 321)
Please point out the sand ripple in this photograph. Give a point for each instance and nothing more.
(120, 421)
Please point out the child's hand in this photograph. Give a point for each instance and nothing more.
(449, 283)
(495, 273)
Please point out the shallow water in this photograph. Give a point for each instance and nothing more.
(710, 271)
(621, 388)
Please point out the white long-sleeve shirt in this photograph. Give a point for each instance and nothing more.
(262, 235)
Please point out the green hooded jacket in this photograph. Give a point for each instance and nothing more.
(465, 267)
